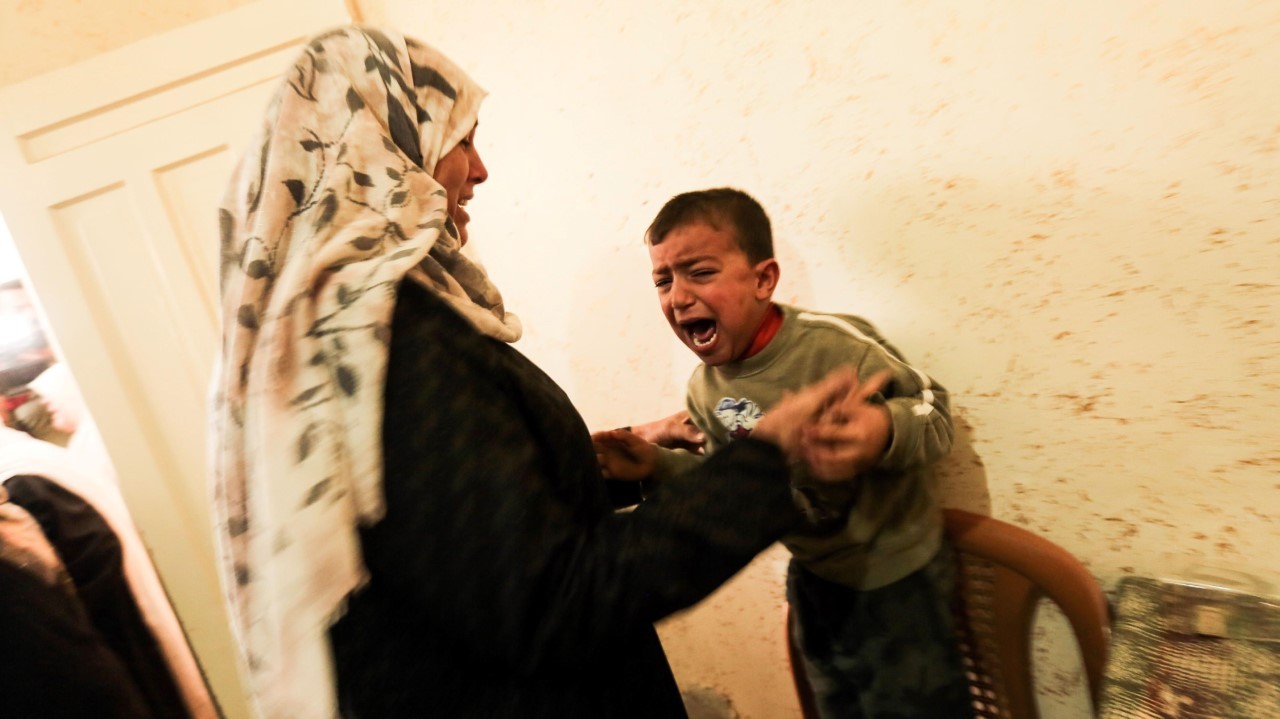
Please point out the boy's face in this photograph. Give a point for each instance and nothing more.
(712, 296)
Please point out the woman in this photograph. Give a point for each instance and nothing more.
(412, 518)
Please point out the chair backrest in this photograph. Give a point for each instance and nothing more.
(1004, 571)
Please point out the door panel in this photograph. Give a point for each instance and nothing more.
(113, 171)
(183, 190)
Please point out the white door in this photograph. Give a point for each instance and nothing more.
(112, 173)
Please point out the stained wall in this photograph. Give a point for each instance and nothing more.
(1068, 212)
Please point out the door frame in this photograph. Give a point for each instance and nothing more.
(42, 120)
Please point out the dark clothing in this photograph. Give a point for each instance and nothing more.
(53, 663)
(886, 653)
(93, 557)
(503, 583)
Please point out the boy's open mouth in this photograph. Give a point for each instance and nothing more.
(701, 332)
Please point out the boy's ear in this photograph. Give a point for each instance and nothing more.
(767, 274)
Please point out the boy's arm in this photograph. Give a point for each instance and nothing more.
(898, 419)
(919, 411)
(674, 462)
(624, 455)
(627, 457)
(671, 446)
(674, 432)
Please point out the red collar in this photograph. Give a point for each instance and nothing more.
(768, 328)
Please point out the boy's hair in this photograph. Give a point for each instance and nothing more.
(722, 205)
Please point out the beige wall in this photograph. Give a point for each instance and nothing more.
(1068, 212)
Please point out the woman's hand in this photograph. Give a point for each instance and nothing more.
(624, 455)
(785, 422)
(851, 435)
(674, 432)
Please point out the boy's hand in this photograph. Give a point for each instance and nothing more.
(624, 455)
(851, 435)
(674, 432)
(786, 420)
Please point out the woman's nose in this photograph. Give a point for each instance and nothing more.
(479, 173)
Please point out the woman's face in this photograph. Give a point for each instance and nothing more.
(459, 172)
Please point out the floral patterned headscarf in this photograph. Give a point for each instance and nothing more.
(332, 207)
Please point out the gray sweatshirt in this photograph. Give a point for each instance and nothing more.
(873, 529)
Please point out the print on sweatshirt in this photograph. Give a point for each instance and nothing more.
(739, 416)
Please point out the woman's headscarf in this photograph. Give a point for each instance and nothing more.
(325, 215)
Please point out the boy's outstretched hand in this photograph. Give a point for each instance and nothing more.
(674, 432)
(624, 455)
(832, 425)
(851, 434)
